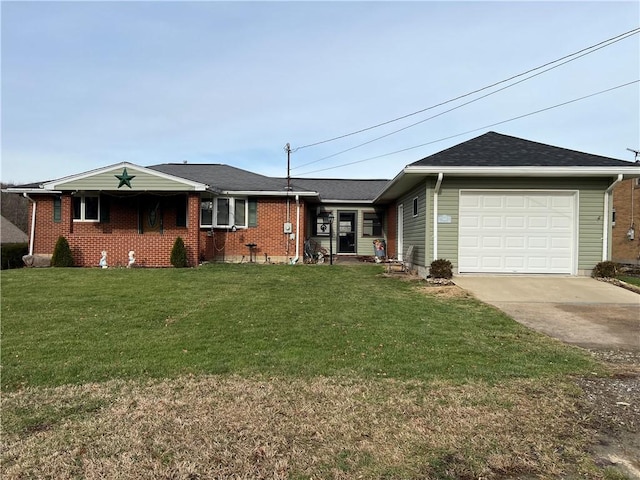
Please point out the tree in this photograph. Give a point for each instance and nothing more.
(15, 208)
(62, 256)
(179, 254)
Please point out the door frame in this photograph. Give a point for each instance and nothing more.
(354, 231)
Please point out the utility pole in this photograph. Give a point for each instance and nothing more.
(287, 149)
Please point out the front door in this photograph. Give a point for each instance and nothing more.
(347, 232)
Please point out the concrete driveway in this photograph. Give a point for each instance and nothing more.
(577, 310)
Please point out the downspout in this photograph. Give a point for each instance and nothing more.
(435, 215)
(295, 260)
(605, 223)
(32, 233)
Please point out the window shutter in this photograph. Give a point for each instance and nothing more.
(181, 211)
(57, 209)
(105, 209)
(253, 213)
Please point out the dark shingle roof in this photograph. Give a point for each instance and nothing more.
(340, 189)
(497, 150)
(222, 177)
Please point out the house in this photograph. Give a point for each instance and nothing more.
(9, 233)
(625, 236)
(222, 213)
(500, 204)
(493, 204)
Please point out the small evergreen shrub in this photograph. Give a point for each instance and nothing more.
(179, 254)
(62, 256)
(12, 254)
(606, 270)
(441, 268)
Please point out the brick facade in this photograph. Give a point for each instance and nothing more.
(121, 233)
(272, 244)
(626, 202)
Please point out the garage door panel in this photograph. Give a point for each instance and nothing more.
(532, 232)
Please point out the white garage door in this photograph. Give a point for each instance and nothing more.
(517, 232)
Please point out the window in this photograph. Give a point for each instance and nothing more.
(253, 212)
(181, 211)
(371, 225)
(224, 212)
(415, 207)
(86, 208)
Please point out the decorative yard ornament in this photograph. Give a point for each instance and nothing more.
(125, 178)
(132, 258)
(103, 259)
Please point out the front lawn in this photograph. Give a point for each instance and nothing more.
(65, 326)
(279, 372)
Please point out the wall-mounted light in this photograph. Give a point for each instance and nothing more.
(234, 228)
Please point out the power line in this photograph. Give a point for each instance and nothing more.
(475, 129)
(592, 50)
(609, 41)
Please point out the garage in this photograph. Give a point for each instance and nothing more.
(517, 232)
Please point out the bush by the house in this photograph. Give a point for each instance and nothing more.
(179, 254)
(12, 254)
(606, 270)
(62, 256)
(441, 268)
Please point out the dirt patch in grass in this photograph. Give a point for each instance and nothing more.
(233, 427)
(611, 407)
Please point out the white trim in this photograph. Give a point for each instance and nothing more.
(576, 226)
(436, 192)
(574, 171)
(55, 183)
(605, 218)
(266, 193)
(400, 231)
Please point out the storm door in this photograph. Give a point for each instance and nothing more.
(347, 234)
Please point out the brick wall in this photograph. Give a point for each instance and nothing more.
(88, 239)
(153, 249)
(627, 213)
(272, 244)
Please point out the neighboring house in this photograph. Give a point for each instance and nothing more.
(493, 204)
(625, 238)
(500, 204)
(9, 233)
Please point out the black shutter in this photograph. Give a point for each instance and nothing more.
(181, 211)
(105, 209)
(253, 212)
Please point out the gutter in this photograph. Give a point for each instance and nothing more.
(435, 215)
(32, 233)
(295, 260)
(605, 223)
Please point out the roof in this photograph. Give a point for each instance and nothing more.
(9, 233)
(222, 177)
(495, 155)
(341, 189)
(497, 150)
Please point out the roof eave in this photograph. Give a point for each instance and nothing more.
(533, 171)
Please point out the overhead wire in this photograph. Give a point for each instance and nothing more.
(609, 41)
(473, 130)
(575, 56)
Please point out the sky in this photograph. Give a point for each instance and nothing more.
(90, 84)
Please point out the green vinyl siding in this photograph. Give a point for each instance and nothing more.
(108, 181)
(415, 228)
(364, 244)
(590, 201)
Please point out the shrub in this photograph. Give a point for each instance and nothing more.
(12, 254)
(62, 256)
(179, 254)
(441, 268)
(606, 270)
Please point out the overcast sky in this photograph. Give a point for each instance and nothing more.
(90, 84)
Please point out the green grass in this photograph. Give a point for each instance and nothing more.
(632, 280)
(73, 326)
